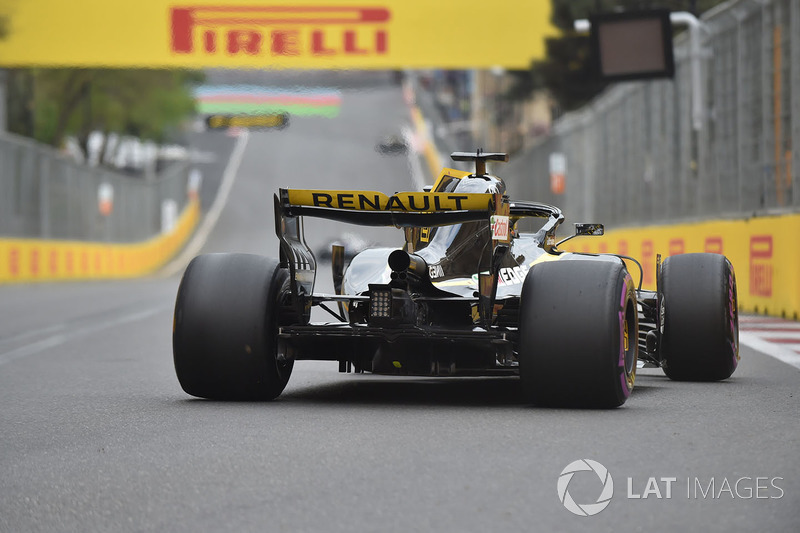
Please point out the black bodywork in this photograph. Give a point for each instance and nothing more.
(448, 302)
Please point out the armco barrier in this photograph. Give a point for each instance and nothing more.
(34, 260)
(764, 251)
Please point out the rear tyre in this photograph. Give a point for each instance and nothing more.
(699, 317)
(225, 327)
(578, 334)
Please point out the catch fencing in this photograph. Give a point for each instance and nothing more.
(643, 153)
(46, 195)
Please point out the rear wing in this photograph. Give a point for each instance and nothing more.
(406, 210)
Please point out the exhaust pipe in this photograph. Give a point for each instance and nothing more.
(402, 262)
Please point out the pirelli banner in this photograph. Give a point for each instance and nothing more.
(294, 34)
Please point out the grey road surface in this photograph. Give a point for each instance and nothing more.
(96, 434)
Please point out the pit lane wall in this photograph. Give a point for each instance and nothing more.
(764, 251)
(35, 260)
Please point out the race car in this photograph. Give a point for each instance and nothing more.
(470, 293)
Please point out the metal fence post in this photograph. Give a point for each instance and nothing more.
(44, 195)
(767, 138)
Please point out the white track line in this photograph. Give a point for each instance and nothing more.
(210, 220)
(776, 333)
(769, 327)
(60, 338)
(773, 350)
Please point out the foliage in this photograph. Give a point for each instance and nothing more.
(76, 101)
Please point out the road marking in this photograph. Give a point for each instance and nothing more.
(207, 226)
(61, 338)
(25, 335)
(775, 337)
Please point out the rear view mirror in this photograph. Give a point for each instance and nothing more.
(584, 229)
(589, 229)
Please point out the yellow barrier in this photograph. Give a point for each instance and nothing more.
(33, 260)
(764, 251)
(428, 148)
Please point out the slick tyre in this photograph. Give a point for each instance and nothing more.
(578, 334)
(699, 317)
(225, 327)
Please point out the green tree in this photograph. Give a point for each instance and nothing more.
(76, 101)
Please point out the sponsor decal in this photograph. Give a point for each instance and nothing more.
(13, 262)
(34, 266)
(713, 245)
(500, 225)
(53, 262)
(435, 271)
(376, 201)
(676, 246)
(280, 30)
(761, 265)
(512, 275)
(625, 336)
(508, 275)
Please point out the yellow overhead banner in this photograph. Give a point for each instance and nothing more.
(301, 34)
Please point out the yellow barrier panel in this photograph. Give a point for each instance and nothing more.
(33, 260)
(428, 147)
(302, 34)
(764, 251)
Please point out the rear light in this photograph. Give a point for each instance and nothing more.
(380, 301)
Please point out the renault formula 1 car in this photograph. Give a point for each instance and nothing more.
(468, 294)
